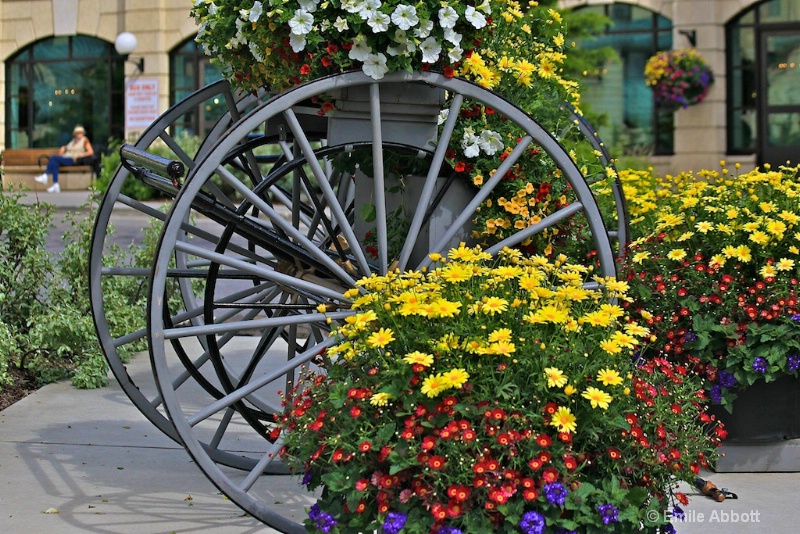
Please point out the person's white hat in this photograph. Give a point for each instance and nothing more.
(78, 129)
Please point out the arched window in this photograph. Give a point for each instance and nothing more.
(619, 89)
(190, 69)
(763, 45)
(59, 82)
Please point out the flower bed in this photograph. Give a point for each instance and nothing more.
(719, 270)
(493, 396)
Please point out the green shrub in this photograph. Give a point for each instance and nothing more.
(24, 262)
(46, 325)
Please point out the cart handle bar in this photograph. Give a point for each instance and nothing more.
(139, 162)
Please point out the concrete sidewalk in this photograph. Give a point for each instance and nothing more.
(93, 458)
(76, 461)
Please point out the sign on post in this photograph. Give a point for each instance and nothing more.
(141, 103)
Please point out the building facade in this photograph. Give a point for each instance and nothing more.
(60, 68)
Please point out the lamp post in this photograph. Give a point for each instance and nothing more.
(125, 45)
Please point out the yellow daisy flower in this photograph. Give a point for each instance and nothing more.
(609, 377)
(381, 338)
(456, 378)
(555, 377)
(418, 358)
(597, 397)
(493, 305)
(381, 399)
(564, 420)
(433, 385)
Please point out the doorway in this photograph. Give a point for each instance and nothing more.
(779, 95)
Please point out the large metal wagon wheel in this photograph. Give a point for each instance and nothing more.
(144, 393)
(308, 245)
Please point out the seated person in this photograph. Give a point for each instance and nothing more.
(78, 147)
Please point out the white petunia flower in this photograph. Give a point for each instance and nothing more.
(297, 42)
(424, 29)
(443, 116)
(477, 19)
(430, 49)
(447, 17)
(379, 22)
(490, 142)
(341, 24)
(485, 7)
(471, 150)
(255, 13)
(360, 49)
(351, 6)
(368, 8)
(302, 23)
(405, 45)
(405, 17)
(375, 66)
(452, 36)
(455, 54)
(212, 8)
(257, 55)
(470, 144)
(308, 5)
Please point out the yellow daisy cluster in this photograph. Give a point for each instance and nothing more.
(546, 295)
(751, 218)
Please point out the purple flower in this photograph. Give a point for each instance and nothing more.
(556, 493)
(760, 365)
(668, 529)
(796, 317)
(532, 523)
(678, 513)
(394, 523)
(447, 529)
(307, 476)
(716, 394)
(609, 513)
(322, 520)
(794, 362)
(688, 337)
(726, 379)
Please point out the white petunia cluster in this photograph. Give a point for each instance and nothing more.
(489, 142)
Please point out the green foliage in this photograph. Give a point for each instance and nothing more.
(24, 262)
(46, 324)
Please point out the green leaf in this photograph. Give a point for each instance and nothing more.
(368, 212)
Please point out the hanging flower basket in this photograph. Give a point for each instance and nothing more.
(678, 78)
(259, 45)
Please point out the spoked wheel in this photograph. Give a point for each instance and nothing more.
(132, 269)
(380, 197)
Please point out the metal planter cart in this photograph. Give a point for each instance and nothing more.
(265, 229)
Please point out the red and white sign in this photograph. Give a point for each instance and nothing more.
(141, 103)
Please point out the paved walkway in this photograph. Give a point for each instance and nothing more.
(76, 461)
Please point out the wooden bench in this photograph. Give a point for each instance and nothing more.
(21, 165)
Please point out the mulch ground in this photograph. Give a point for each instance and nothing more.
(22, 387)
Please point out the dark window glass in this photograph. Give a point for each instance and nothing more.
(619, 91)
(742, 50)
(59, 82)
(190, 70)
